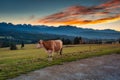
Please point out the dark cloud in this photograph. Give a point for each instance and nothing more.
(112, 3)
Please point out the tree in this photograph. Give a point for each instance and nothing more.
(119, 40)
(76, 40)
(63, 40)
(66, 41)
(81, 40)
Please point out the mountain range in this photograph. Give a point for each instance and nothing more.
(30, 32)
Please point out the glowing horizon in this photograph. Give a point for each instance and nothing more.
(95, 14)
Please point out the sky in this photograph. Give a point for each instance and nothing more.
(95, 14)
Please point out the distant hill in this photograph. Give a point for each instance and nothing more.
(29, 32)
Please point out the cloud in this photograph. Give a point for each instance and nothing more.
(77, 22)
(81, 15)
(111, 3)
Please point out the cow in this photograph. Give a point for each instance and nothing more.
(51, 46)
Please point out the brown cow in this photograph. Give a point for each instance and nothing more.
(51, 46)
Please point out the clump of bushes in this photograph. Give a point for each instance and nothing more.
(13, 46)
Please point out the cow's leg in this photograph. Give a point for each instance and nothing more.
(50, 55)
(61, 51)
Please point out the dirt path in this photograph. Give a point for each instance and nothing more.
(98, 68)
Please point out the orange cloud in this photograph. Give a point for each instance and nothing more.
(104, 20)
(83, 22)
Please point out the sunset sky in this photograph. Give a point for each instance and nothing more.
(96, 14)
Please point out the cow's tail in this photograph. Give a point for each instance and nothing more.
(61, 51)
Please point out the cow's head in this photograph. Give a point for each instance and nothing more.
(40, 44)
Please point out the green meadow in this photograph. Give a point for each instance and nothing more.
(21, 61)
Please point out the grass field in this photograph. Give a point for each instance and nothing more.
(16, 62)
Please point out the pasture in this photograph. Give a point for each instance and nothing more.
(21, 61)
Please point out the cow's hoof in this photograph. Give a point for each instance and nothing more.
(50, 59)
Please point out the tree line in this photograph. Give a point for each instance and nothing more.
(76, 40)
